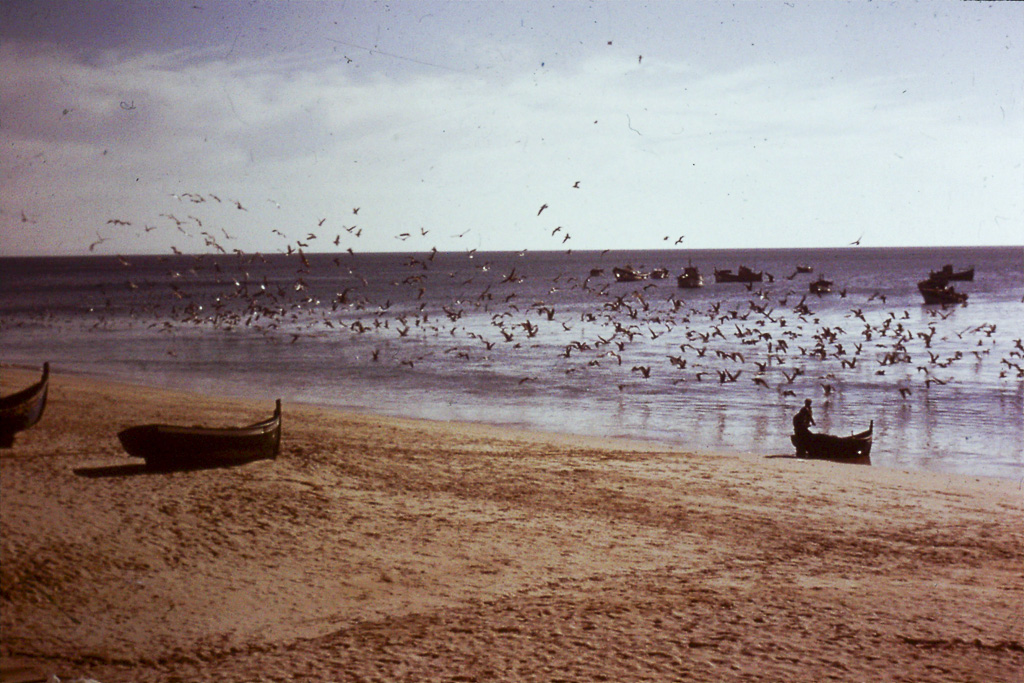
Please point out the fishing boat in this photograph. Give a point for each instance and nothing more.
(946, 273)
(804, 269)
(169, 447)
(820, 286)
(628, 274)
(744, 275)
(691, 278)
(854, 449)
(940, 292)
(22, 409)
(659, 273)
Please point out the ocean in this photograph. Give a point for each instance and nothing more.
(551, 341)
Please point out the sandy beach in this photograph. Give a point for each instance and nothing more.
(380, 549)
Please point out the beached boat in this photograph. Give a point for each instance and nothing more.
(854, 449)
(691, 278)
(744, 275)
(628, 274)
(22, 409)
(820, 286)
(167, 447)
(946, 273)
(939, 292)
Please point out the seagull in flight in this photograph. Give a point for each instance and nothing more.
(856, 242)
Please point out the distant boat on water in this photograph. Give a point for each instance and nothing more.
(691, 278)
(946, 273)
(744, 275)
(940, 292)
(820, 286)
(628, 274)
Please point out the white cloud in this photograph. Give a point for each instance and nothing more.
(763, 156)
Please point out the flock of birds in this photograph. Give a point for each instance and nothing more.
(428, 307)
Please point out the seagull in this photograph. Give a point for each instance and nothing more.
(98, 242)
(857, 241)
(542, 207)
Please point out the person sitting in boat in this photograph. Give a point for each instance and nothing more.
(803, 420)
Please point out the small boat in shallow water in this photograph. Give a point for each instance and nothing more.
(854, 449)
(22, 409)
(169, 447)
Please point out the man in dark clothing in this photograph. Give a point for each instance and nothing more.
(803, 420)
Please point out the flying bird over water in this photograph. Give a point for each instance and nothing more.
(98, 242)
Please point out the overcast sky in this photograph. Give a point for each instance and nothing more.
(734, 124)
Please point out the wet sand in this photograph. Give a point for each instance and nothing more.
(384, 549)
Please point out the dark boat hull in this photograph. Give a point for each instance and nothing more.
(854, 449)
(939, 293)
(169, 447)
(23, 409)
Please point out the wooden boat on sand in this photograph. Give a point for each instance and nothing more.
(22, 409)
(854, 449)
(169, 447)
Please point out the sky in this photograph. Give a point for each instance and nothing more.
(147, 127)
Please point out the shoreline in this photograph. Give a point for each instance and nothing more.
(380, 547)
(511, 428)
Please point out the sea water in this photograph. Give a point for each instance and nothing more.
(550, 341)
